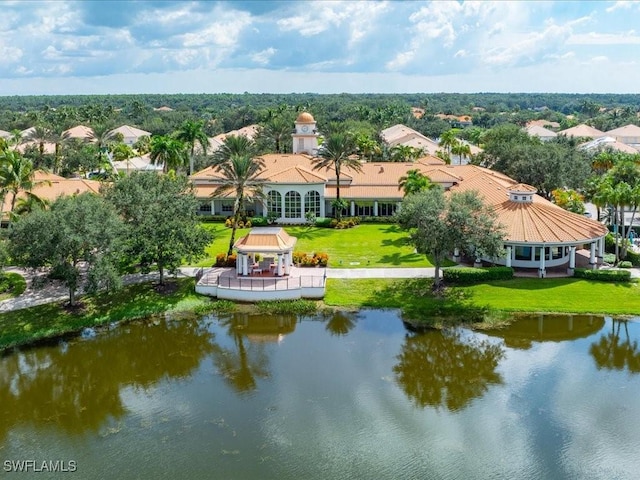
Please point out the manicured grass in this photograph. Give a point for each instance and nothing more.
(518, 295)
(11, 285)
(134, 301)
(367, 245)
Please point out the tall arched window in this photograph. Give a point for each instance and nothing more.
(312, 203)
(292, 205)
(274, 203)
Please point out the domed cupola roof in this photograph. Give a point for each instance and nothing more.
(521, 192)
(305, 117)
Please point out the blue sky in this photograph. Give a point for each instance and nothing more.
(70, 47)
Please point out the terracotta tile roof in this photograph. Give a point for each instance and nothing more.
(79, 131)
(543, 124)
(538, 131)
(49, 148)
(5, 134)
(266, 239)
(128, 131)
(295, 175)
(523, 187)
(626, 131)
(582, 131)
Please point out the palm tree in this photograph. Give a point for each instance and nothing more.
(415, 181)
(405, 153)
(336, 153)
(16, 175)
(277, 129)
(462, 150)
(102, 136)
(448, 139)
(192, 133)
(167, 151)
(40, 135)
(237, 145)
(29, 203)
(240, 174)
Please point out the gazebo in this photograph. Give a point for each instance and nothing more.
(272, 241)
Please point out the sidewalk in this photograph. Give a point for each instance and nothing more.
(53, 291)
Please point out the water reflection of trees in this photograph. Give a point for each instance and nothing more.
(443, 369)
(614, 353)
(77, 388)
(241, 365)
(341, 323)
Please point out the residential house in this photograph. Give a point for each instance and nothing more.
(582, 131)
(629, 135)
(542, 133)
(130, 135)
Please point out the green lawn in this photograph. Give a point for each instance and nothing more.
(518, 295)
(134, 301)
(369, 245)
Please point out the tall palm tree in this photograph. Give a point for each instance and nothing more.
(278, 129)
(102, 136)
(240, 175)
(16, 175)
(448, 139)
(168, 151)
(462, 150)
(192, 133)
(40, 135)
(415, 181)
(336, 153)
(238, 145)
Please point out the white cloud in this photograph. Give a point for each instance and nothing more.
(593, 38)
(262, 57)
(622, 5)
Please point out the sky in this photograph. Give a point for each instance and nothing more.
(103, 47)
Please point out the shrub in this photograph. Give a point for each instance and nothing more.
(259, 221)
(633, 257)
(228, 223)
(468, 275)
(614, 276)
(248, 224)
(323, 222)
(609, 258)
(333, 223)
(322, 258)
(221, 260)
(609, 243)
(298, 257)
(386, 220)
(231, 261)
(240, 224)
(625, 264)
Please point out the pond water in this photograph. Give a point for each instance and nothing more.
(354, 395)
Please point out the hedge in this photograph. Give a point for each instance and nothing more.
(468, 275)
(603, 275)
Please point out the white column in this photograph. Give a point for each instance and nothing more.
(283, 210)
(601, 251)
(508, 258)
(280, 265)
(456, 255)
(352, 211)
(542, 272)
(213, 207)
(592, 257)
(322, 207)
(239, 264)
(287, 263)
(375, 208)
(302, 212)
(572, 259)
(245, 264)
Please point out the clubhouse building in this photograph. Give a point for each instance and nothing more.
(538, 234)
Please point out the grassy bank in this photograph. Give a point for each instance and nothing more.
(367, 245)
(29, 325)
(11, 285)
(566, 295)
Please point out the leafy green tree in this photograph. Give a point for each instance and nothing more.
(438, 224)
(40, 136)
(16, 175)
(102, 137)
(77, 231)
(336, 153)
(415, 181)
(405, 153)
(192, 133)
(240, 175)
(162, 227)
(168, 151)
(569, 200)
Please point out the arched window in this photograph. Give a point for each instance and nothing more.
(312, 203)
(274, 203)
(292, 205)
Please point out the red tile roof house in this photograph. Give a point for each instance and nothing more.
(538, 234)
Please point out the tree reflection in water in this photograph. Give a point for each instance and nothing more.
(244, 363)
(443, 369)
(77, 388)
(341, 323)
(613, 353)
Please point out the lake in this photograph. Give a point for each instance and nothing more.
(351, 395)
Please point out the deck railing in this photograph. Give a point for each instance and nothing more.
(264, 283)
